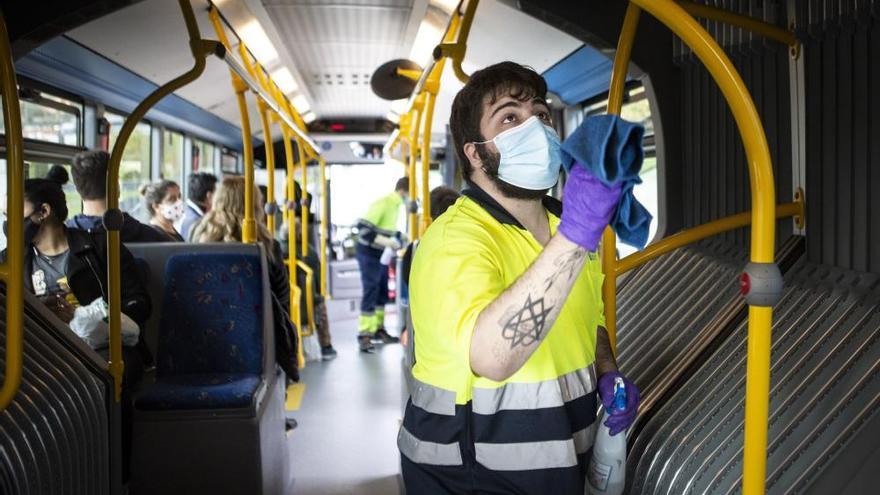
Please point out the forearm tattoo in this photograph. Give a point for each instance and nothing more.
(566, 266)
(525, 327)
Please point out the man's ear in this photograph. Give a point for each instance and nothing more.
(470, 151)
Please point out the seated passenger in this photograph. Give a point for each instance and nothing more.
(66, 269)
(223, 224)
(89, 170)
(198, 202)
(163, 200)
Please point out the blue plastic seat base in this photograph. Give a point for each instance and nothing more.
(199, 391)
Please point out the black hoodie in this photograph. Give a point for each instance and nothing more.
(132, 230)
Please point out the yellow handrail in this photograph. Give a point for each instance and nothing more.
(290, 208)
(268, 144)
(412, 140)
(690, 236)
(762, 28)
(762, 215)
(113, 218)
(249, 226)
(310, 296)
(325, 224)
(431, 89)
(457, 50)
(12, 268)
(425, 151)
(615, 103)
(306, 207)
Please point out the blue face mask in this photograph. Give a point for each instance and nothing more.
(530, 155)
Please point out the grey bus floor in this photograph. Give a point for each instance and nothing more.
(348, 416)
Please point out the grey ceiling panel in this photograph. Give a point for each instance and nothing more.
(338, 45)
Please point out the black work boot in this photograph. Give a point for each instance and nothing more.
(365, 344)
(382, 336)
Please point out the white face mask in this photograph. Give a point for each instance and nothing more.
(530, 155)
(172, 212)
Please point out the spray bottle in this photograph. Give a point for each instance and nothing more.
(606, 474)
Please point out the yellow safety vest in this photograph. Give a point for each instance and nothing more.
(466, 259)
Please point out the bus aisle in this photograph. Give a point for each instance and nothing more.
(348, 414)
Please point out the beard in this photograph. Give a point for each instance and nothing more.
(491, 163)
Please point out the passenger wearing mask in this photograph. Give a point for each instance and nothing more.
(198, 202)
(511, 353)
(223, 224)
(377, 230)
(163, 200)
(89, 171)
(67, 270)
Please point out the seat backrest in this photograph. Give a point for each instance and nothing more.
(156, 256)
(212, 315)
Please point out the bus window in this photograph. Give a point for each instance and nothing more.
(38, 170)
(134, 169)
(172, 157)
(202, 156)
(637, 108)
(229, 162)
(49, 118)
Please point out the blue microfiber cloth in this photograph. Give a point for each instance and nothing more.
(610, 148)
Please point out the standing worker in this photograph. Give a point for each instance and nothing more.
(377, 230)
(506, 304)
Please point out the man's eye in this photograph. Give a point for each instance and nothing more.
(544, 116)
(508, 119)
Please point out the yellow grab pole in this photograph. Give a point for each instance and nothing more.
(291, 241)
(325, 225)
(249, 228)
(270, 165)
(310, 295)
(609, 285)
(426, 161)
(113, 218)
(615, 103)
(457, 50)
(762, 28)
(689, 236)
(12, 268)
(306, 208)
(763, 225)
(413, 141)
(621, 58)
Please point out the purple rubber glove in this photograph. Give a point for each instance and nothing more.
(618, 420)
(587, 207)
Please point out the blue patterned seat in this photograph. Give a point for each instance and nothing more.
(210, 350)
(197, 391)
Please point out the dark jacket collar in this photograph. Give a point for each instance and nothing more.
(492, 207)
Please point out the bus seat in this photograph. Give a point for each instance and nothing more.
(210, 335)
(213, 422)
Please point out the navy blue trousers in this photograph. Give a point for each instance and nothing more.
(374, 279)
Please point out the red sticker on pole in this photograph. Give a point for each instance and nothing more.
(745, 284)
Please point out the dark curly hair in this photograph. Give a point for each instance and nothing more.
(492, 83)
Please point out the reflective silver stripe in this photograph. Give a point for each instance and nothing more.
(527, 455)
(433, 399)
(538, 395)
(584, 439)
(421, 452)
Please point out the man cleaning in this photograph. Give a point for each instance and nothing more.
(511, 352)
(377, 230)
